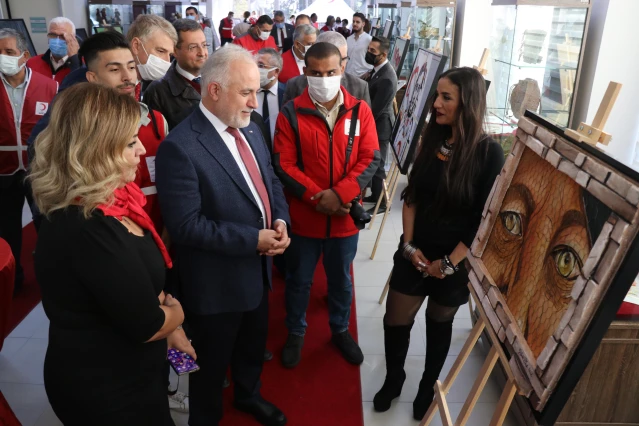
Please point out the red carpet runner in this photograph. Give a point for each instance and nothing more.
(29, 296)
(323, 390)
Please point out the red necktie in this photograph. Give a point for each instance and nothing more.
(254, 173)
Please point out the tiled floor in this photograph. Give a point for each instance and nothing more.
(22, 357)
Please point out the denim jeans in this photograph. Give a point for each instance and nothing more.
(301, 260)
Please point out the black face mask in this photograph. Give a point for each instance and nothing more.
(371, 58)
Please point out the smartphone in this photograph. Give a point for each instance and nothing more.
(182, 363)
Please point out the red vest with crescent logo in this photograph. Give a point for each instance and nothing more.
(38, 94)
(227, 28)
(151, 135)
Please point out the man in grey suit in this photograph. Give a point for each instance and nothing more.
(382, 83)
(352, 83)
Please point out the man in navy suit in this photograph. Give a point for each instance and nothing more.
(227, 216)
(271, 93)
(282, 32)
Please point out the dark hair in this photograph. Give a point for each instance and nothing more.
(301, 16)
(456, 189)
(344, 21)
(322, 50)
(313, 15)
(184, 25)
(264, 19)
(247, 14)
(278, 13)
(367, 26)
(230, 13)
(330, 18)
(359, 15)
(101, 42)
(338, 19)
(192, 8)
(384, 44)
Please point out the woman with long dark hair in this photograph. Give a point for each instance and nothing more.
(443, 202)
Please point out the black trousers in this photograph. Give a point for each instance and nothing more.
(13, 192)
(237, 339)
(377, 184)
(226, 40)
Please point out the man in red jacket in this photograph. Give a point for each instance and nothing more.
(226, 29)
(25, 97)
(258, 36)
(304, 37)
(62, 56)
(325, 154)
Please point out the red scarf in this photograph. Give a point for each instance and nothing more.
(129, 202)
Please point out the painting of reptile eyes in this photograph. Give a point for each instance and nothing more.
(543, 234)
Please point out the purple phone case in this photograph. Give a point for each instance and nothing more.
(182, 363)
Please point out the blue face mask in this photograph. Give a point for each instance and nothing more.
(280, 25)
(58, 47)
(191, 17)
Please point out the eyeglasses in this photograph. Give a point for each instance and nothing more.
(53, 35)
(192, 47)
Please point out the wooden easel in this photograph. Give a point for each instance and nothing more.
(482, 62)
(495, 354)
(594, 133)
(438, 46)
(389, 185)
(407, 35)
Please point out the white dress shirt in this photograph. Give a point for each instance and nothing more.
(230, 143)
(279, 39)
(185, 74)
(300, 64)
(57, 64)
(379, 67)
(357, 49)
(273, 106)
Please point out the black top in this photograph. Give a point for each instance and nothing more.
(438, 234)
(100, 286)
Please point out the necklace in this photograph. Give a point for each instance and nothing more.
(445, 151)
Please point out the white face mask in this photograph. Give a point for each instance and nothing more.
(302, 51)
(9, 65)
(324, 89)
(264, 78)
(264, 35)
(155, 67)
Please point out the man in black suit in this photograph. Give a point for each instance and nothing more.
(225, 211)
(352, 83)
(282, 32)
(382, 84)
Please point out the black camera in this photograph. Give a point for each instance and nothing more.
(360, 216)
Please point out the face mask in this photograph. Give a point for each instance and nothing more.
(9, 65)
(264, 35)
(302, 50)
(58, 47)
(280, 25)
(324, 89)
(155, 67)
(370, 58)
(191, 17)
(264, 78)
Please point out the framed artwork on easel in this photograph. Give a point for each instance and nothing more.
(398, 56)
(412, 113)
(388, 28)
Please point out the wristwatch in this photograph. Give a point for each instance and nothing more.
(447, 267)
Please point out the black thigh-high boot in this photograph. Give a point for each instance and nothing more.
(438, 336)
(396, 342)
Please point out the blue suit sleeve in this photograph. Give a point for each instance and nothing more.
(178, 186)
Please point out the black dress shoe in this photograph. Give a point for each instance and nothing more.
(268, 355)
(264, 412)
(348, 347)
(380, 210)
(292, 352)
(371, 199)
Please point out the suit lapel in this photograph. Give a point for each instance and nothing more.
(213, 143)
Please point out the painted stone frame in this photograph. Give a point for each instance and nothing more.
(598, 175)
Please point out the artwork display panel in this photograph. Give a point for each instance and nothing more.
(399, 54)
(388, 28)
(412, 113)
(374, 24)
(554, 256)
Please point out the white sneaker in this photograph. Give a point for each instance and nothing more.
(179, 402)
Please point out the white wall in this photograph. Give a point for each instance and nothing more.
(76, 10)
(27, 8)
(618, 61)
(475, 31)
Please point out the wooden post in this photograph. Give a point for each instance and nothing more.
(386, 288)
(496, 354)
(482, 62)
(438, 46)
(594, 133)
(389, 200)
